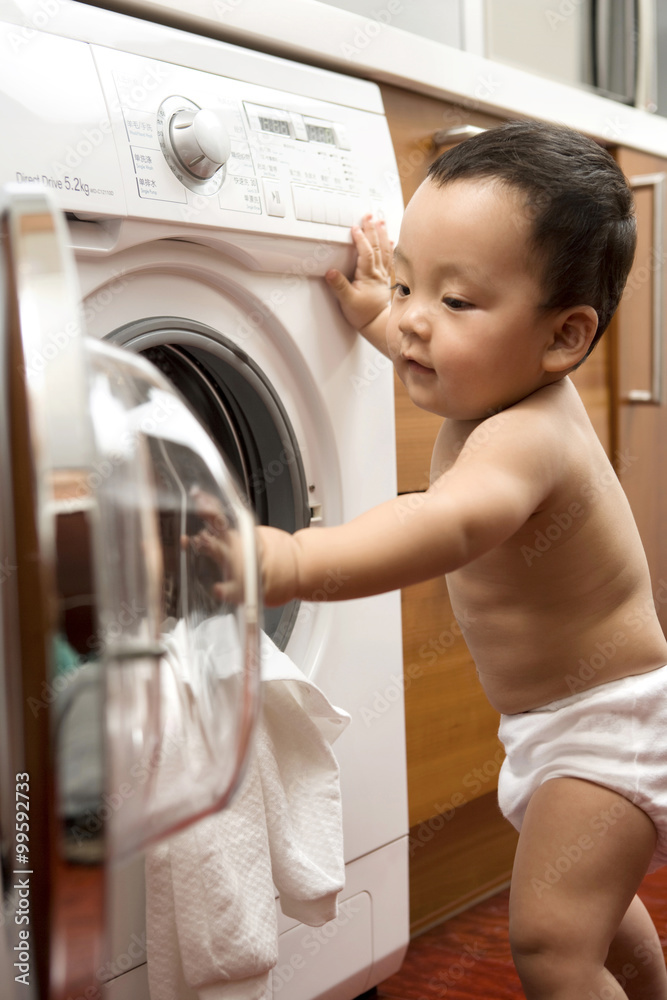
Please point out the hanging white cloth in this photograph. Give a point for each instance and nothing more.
(211, 915)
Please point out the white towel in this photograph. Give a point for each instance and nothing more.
(210, 898)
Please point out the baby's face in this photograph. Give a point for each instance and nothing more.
(465, 328)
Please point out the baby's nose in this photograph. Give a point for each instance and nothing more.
(416, 320)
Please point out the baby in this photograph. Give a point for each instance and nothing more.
(511, 261)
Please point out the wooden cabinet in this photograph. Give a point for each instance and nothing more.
(461, 848)
(640, 357)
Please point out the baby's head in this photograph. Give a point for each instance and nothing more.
(577, 201)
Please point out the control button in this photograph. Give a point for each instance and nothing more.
(195, 144)
(340, 134)
(359, 210)
(318, 209)
(299, 127)
(200, 141)
(302, 203)
(331, 205)
(275, 202)
(346, 211)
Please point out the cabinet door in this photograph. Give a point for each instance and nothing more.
(640, 410)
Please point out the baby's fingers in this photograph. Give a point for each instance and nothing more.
(374, 247)
(207, 544)
(210, 511)
(366, 241)
(385, 245)
(230, 592)
(338, 283)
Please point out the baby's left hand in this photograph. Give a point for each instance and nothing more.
(223, 544)
(364, 298)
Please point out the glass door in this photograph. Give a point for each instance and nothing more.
(130, 663)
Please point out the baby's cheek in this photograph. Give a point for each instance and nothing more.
(393, 342)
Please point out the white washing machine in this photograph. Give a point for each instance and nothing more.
(207, 189)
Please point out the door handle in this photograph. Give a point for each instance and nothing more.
(654, 394)
(448, 136)
(646, 70)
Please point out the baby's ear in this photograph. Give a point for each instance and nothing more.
(573, 330)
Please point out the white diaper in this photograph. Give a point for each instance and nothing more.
(614, 735)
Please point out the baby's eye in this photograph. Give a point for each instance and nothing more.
(456, 304)
(401, 290)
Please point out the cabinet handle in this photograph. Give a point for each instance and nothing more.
(654, 394)
(634, 24)
(629, 23)
(448, 136)
(601, 65)
(646, 77)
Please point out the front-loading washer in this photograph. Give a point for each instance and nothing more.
(214, 271)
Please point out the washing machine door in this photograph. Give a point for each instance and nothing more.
(129, 682)
(243, 414)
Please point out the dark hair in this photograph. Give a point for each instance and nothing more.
(581, 207)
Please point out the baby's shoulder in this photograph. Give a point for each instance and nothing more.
(538, 421)
(544, 431)
(546, 437)
(554, 415)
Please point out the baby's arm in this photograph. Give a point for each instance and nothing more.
(365, 300)
(497, 482)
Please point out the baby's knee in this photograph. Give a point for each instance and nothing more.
(528, 939)
(538, 937)
(547, 959)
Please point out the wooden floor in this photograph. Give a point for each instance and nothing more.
(464, 958)
(468, 957)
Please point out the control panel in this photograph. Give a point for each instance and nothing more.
(215, 146)
(150, 139)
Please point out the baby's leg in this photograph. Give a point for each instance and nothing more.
(636, 958)
(582, 853)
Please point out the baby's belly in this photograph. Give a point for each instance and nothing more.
(528, 659)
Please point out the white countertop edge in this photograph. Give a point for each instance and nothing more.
(318, 34)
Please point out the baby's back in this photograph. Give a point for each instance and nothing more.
(566, 603)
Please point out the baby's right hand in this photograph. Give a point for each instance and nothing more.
(364, 298)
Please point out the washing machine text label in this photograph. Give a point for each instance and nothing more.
(76, 184)
(65, 183)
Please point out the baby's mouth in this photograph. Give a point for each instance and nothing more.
(416, 366)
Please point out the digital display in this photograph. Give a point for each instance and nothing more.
(320, 133)
(274, 125)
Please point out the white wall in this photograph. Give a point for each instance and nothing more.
(439, 20)
(543, 36)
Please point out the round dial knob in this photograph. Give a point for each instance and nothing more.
(200, 141)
